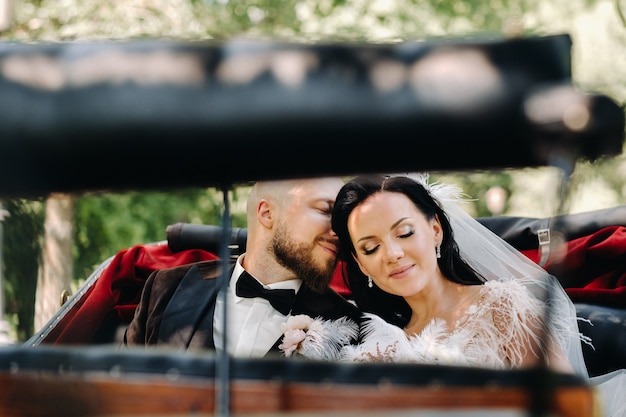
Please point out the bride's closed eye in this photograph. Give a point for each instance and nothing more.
(367, 251)
(407, 234)
(370, 250)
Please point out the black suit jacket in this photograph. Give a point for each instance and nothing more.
(177, 307)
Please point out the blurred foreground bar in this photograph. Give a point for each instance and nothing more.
(154, 114)
(109, 382)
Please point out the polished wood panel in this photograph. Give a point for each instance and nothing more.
(43, 394)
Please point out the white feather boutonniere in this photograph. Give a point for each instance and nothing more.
(317, 338)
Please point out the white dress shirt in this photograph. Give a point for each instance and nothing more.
(253, 324)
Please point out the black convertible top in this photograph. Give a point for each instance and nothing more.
(145, 114)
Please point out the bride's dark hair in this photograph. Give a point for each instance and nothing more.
(390, 307)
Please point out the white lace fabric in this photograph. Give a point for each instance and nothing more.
(492, 333)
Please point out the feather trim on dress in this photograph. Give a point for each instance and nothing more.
(493, 333)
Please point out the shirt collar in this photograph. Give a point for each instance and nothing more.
(293, 284)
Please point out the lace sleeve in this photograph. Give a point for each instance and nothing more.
(517, 323)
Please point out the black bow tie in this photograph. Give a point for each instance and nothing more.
(281, 299)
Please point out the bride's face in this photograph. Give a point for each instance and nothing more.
(395, 243)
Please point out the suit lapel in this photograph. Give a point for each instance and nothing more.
(191, 324)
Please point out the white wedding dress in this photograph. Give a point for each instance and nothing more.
(476, 341)
(499, 322)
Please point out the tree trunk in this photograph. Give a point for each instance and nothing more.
(55, 273)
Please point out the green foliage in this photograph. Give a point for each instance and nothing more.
(23, 232)
(104, 224)
(372, 20)
(107, 223)
(475, 185)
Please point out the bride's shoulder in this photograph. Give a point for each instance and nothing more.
(508, 299)
(505, 290)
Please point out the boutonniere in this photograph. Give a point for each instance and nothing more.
(317, 338)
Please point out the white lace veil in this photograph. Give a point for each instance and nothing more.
(494, 258)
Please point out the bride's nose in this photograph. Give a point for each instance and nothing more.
(393, 252)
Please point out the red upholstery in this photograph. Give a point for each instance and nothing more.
(593, 268)
(116, 292)
(337, 283)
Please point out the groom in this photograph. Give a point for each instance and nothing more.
(290, 250)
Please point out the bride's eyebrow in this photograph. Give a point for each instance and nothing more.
(393, 226)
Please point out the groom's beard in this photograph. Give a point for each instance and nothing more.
(299, 258)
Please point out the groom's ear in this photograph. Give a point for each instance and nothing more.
(264, 214)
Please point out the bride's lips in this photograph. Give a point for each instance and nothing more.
(400, 271)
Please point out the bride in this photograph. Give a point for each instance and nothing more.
(438, 287)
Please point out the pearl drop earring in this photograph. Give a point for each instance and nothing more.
(369, 282)
(438, 251)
